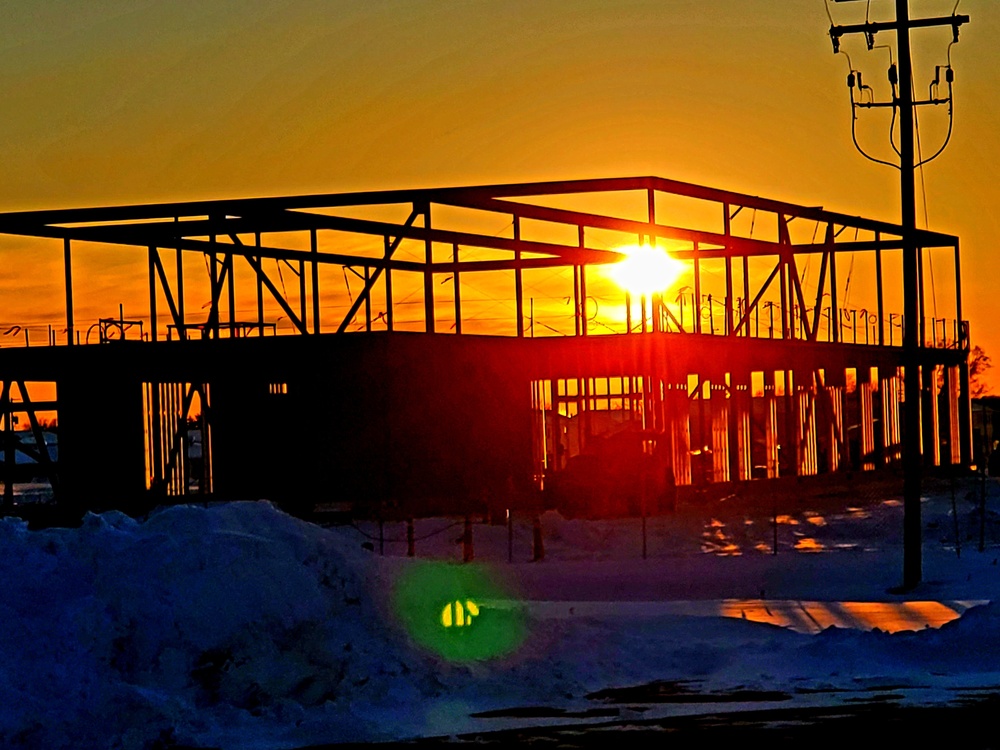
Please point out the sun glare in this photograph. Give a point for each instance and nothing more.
(645, 270)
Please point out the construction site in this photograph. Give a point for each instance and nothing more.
(468, 349)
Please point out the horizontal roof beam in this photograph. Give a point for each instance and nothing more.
(251, 209)
(244, 206)
(295, 220)
(741, 245)
(710, 244)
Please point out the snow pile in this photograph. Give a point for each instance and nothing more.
(205, 626)
(967, 647)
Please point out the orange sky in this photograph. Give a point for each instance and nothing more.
(121, 101)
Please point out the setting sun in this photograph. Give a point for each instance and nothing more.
(645, 270)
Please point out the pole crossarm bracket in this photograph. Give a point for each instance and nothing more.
(874, 27)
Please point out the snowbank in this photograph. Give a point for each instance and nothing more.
(207, 626)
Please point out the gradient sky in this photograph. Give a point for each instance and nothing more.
(123, 101)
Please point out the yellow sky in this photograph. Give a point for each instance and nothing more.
(121, 101)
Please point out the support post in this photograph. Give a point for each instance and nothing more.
(965, 413)
(213, 313)
(576, 299)
(866, 419)
(231, 281)
(806, 392)
(518, 282)
(951, 411)
(879, 290)
(181, 331)
(930, 422)
(837, 453)
(696, 308)
(302, 297)
(740, 438)
(152, 294)
(68, 272)
(428, 275)
(314, 248)
(890, 418)
(583, 291)
(792, 446)
(9, 463)
(720, 408)
(834, 334)
(458, 290)
(678, 419)
(368, 300)
(388, 285)
(260, 290)
(729, 296)
(785, 296)
(771, 441)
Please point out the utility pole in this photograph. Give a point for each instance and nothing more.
(903, 103)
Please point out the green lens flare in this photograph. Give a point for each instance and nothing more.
(461, 612)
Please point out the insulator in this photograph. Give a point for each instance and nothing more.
(949, 75)
(893, 74)
(850, 80)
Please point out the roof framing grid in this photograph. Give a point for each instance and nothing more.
(220, 228)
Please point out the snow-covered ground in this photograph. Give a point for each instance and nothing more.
(237, 626)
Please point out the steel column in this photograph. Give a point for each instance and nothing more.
(518, 283)
(314, 249)
(930, 426)
(866, 419)
(771, 435)
(152, 293)
(952, 411)
(68, 279)
(429, 322)
(389, 248)
(180, 318)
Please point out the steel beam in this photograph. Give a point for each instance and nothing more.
(175, 312)
(370, 281)
(257, 267)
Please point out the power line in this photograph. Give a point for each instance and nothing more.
(923, 194)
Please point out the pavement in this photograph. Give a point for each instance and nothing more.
(801, 616)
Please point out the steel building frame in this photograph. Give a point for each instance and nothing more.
(220, 230)
(809, 326)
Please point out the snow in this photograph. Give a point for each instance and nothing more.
(237, 626)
